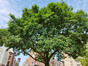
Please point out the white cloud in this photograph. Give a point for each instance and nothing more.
(4, 18)
(5, 9)
(3, 26)
(15, 7)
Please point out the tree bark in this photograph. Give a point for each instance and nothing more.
(47, 63)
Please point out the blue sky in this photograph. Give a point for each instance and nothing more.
(16, 6)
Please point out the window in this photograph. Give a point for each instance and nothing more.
(78, 63)
(33, 59)
(71, 62)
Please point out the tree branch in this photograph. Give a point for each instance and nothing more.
(33, 57)
(53, 53)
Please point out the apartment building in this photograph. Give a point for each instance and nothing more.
(6, 57)
(10, 59)
(32, 62)
(68, 61)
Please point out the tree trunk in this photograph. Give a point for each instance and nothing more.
(47, 63)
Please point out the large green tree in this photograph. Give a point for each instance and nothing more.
(48, 31)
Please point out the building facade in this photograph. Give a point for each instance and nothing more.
(10, 60)
(6, 57)
(68, 61)
(32, 62)
(3, 55)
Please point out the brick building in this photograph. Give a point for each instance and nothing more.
(10, 60)
(68, 61)
(6, 57)
(32, 62)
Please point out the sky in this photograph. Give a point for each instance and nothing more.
(16, 6)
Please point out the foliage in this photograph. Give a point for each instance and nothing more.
(4, 34)
(49, 31)
(84, 59)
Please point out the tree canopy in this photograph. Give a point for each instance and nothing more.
(48, 31)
